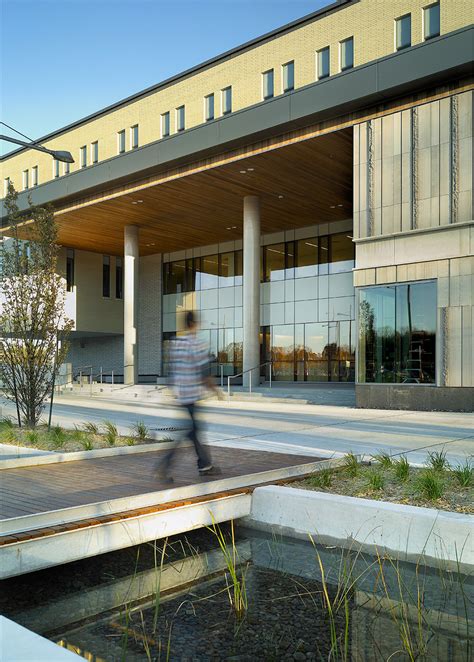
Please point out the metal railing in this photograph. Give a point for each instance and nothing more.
(249, 370)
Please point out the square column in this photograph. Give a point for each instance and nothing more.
(251, 289)
(130, 305)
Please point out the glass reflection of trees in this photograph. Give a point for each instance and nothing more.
(397, 334)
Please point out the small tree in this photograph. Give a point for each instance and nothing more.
(33, 324)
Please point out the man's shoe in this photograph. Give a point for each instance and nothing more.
(210, 471)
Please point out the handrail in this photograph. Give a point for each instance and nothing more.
(250, 370)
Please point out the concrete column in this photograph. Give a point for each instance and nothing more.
(251, 288)
(130, 305)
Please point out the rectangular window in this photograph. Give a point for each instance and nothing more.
(6, 184)
(306, 258)
(165, 125)
(226, 99)
(55, 168)
(66, 168)
(83, 156)
(274, 262)
(70, 269)
(288, 76)
(106, 276)
(268, 84)
(209, 272)
(118, 278)
(209, 107)
(134, 136)
(347, 53)
(342, 253)
(26, 179)
(95, 151)
(403, 32)
(121, 142)
(323, 63)
(397, 333)
(226, 269)
(431, 21)
(34, 175)
(180, 119)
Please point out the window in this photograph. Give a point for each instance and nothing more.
(342, 253)
(274, 262)
(134, 136)
(288, 71)
(6, 184)
(70, 269)
(106, 276)
(95, 152)
(55, 168)
(268, 84)
(323, 63)
(403, 32)
(118, 278)
(66, 168)
(209, 107)
(431, 21)
(226, 269)
(121, 141)
(397, 333)
(34, 175)
(180, 119)
(347, 53)
(84, 156)
(26, 179)
(165, 125)
(209, 272)
(306, 258)
(226, 100)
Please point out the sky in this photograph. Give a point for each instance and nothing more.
(64, 59)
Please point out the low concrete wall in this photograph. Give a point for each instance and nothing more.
(414, 397)
(22, 645)
(407, 532)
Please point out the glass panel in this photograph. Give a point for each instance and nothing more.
(238, 348)
(283, 352)
(180, 118)
(397, 334)
(323, 63)
(274, 257)
(226, 270)
(268, 84)
(432, 21)
(209, 107)
(290, 259)
(347, 54)
(70, 270)
(177, 277)
(342, 253)
(323, 243)
(307, 258)
(121, 141)
(118, 278)
(106, 276)
(317, 371)
(403, 27)
(95, 152)
(209, 272)
(134, 132)
(288, 76)
(239, 267)
(299, 352)
(316, 341)
(227, 100)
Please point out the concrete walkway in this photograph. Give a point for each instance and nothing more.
(288, 428)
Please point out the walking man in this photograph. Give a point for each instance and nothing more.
(190, 378)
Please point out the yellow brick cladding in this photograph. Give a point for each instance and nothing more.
(370, 22)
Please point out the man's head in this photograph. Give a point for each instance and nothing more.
(191, 321)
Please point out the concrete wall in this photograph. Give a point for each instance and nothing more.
(150, 315)
(373, 32)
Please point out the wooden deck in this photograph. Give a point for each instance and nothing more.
(41, 489)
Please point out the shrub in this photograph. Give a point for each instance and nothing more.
(430, 485)
(32, 436)
(322, 478)
(464, 473)
(87, 443)
(111, 433)
(140, 430)
(402, 469)
(437, 461)
(376, 481)
(130, 441)
(58, 436)
(384, 459)
(351, 464)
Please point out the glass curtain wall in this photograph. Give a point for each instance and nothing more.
(397, 334)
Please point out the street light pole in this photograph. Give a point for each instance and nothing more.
(59, 155)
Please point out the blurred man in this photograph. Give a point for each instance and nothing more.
(190, 378)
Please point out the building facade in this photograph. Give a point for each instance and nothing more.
(309, 193)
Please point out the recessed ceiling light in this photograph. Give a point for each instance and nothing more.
(250, 169)
(134, 202)
(280, 197)
(243, 172)
(332, 207)
(340, 205)
(140, 200)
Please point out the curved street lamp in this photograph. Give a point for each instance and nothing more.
(59, 155)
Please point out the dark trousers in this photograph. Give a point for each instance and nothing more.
(203, 455)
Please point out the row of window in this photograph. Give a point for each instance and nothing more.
(431, 26)
(106, 274)
(292, 259)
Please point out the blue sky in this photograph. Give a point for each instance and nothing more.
(64, 59)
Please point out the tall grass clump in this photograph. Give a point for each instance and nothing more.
(90, 427)
(322, 478)
(140, 431)
(402, 469)
(111, 433)
(6, 423)
(437, 461)
(464, 474)
(58, 436)
(351, 464)
(384, 459)
(430, 485)
(32, 437)
(376, 481)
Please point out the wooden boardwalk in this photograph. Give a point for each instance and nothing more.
(44, 488)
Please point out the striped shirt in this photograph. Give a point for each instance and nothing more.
(189, 363)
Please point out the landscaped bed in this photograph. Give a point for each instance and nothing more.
(438, 485)
(84, 437)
